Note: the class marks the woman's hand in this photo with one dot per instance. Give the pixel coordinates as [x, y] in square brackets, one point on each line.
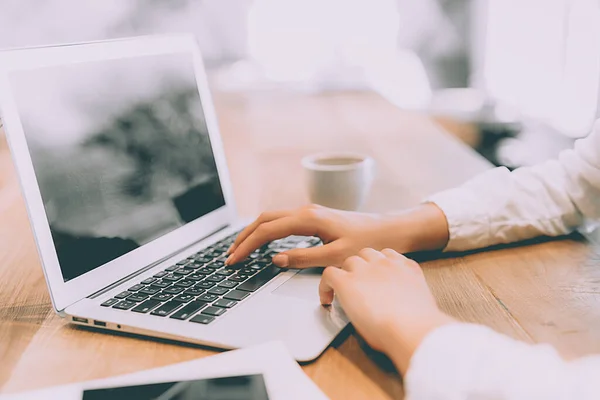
[343, 233]
[387, 299]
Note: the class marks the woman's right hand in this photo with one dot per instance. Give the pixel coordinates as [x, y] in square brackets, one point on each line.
[343, 233]
[386, 297]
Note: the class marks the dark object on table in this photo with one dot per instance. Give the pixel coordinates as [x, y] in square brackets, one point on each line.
[248, 387]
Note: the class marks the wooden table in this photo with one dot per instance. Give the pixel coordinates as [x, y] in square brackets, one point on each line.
[545, 292]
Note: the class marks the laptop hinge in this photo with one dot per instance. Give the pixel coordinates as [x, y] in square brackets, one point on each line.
[154, 264]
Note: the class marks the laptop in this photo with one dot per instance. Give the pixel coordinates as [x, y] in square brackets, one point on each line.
[123, 172]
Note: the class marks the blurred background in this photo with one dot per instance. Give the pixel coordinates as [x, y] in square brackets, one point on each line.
[518, 80]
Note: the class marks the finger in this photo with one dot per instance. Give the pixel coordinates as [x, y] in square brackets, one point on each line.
[329, 254]
[269, 231]
[401, 259]
[330, 282]
[262, 218]
[353, 263]
[370, 255]
[393, 254]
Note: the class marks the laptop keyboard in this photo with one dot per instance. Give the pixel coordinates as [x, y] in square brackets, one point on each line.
[201, 288]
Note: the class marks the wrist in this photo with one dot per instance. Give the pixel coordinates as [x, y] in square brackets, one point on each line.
[421, 228]
[404, 339]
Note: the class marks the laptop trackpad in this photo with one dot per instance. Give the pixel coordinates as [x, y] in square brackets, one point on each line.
[304, 285]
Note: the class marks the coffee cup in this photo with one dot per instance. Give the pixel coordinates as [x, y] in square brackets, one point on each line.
[339, 180]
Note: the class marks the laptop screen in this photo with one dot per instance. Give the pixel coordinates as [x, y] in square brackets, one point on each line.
[121, 152]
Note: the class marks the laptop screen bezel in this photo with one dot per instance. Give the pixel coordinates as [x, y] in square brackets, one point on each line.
[64, 293]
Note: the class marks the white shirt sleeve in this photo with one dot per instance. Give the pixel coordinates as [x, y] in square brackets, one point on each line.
[550, 199]
[465, 361]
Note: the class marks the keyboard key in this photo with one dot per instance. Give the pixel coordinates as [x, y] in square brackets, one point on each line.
[204, 259]
[205, 271]
[214, 311]
[183, 298]
[204, 285]
[182, 262]
[135, 288]
[194, 291]
[124, 305]
[161, 274]
[247, 271]
[208, 297]
[194, 265]
[225, 271]
[189, 310]
[137, 297]
[202, 319]
[173, 290]
[259, 280]
[172, 268]
[228, 284]
[218, 291]
[236, 295]
[122, 295]
[238, 278]
[183, 271]
[222, 257]
[109, 302]
[217, 264]
[172, 278]
[225, 303]
[185, 283]
[167, 308]
[148, 281]
[149, 290]
[195, 277]
[161, 284]
[162, 297]
[215, 278]
[238, 266]
[146, 306]
[313, 241]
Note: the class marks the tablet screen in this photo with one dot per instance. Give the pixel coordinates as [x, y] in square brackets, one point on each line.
[248, 387]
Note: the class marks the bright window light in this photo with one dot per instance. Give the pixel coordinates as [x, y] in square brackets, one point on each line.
[543, 57]
[313, 40]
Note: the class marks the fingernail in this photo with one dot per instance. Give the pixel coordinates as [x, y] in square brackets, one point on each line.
[228, 260]
[281, 260]
[230, 249]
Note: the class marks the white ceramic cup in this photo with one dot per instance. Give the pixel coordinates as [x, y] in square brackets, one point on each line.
[339, 180]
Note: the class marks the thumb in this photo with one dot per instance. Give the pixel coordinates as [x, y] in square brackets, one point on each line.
[329, 254]
[330, 282]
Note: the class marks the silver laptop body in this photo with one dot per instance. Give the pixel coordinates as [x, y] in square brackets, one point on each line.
[123, 172]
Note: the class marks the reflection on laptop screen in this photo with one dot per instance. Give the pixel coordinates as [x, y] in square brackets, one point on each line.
[121, 153]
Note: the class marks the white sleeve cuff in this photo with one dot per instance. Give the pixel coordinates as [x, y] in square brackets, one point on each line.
[467, 228]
